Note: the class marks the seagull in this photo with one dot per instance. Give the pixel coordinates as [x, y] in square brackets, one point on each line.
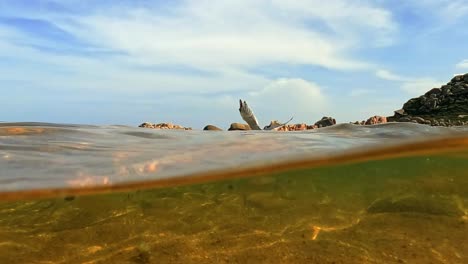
[249, 117]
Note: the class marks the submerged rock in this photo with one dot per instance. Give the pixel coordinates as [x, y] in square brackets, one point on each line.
[416, 204]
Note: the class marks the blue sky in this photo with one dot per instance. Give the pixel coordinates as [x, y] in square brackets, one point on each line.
[188, 62]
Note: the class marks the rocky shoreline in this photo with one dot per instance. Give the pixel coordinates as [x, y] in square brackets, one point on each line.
[444, 106]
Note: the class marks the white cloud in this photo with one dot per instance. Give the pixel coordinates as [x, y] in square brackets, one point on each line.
[447, 10]
[420, 86]
[360, 92]
[223, 38]
[279, 99]
[230, 40]
[347, 18]
[411, 85]
[430, 21]
[295, 87]
[225, 34]
[339, 13]
[387, 75]
[226, 38]
[115, 74]
[286, 97]
[462, 64]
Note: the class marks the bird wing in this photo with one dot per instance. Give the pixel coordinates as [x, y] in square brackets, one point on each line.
[248, 115]
[274, 127]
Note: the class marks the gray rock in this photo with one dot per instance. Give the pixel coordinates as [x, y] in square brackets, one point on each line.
[325, 121]
[400, 112]
[458, 89]
[405, 119]
[435, 91]
[437, 104]
[412, 105]
[457, 78]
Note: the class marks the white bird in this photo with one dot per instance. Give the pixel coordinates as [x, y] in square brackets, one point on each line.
[249, 117]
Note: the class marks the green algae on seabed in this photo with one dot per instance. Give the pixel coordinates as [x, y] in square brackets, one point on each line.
[396, 210]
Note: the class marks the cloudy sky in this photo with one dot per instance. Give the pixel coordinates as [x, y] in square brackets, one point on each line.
[189, 62]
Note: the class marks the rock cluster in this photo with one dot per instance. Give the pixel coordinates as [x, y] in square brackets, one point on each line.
[296, 127]
[324, 122]
[293, 127]
[444, 106]
[163, 126]
[373, 120]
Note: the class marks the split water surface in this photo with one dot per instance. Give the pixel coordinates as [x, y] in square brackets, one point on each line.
[395, 193]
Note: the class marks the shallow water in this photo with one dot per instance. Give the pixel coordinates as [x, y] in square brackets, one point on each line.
[395, 193]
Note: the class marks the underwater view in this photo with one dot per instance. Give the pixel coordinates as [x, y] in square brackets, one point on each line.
[391, 193]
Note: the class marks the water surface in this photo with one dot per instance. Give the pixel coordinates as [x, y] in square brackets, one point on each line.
[395, 193]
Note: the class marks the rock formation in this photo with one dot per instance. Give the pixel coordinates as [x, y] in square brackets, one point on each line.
[296, 127]
[444, 106]
[325, 121]
[212, 128]
[376, 120]
[164, 126]
[238, 126]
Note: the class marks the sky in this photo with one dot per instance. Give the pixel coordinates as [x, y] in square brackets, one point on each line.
[189, 62]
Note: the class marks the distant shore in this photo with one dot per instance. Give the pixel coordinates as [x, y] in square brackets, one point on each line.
[443, 106]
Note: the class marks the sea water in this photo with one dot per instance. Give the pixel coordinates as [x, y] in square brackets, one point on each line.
[393, 193]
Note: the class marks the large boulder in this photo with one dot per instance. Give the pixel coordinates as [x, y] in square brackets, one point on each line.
[325, 121]
[238, 126]
[212, 128]
[147, 125]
